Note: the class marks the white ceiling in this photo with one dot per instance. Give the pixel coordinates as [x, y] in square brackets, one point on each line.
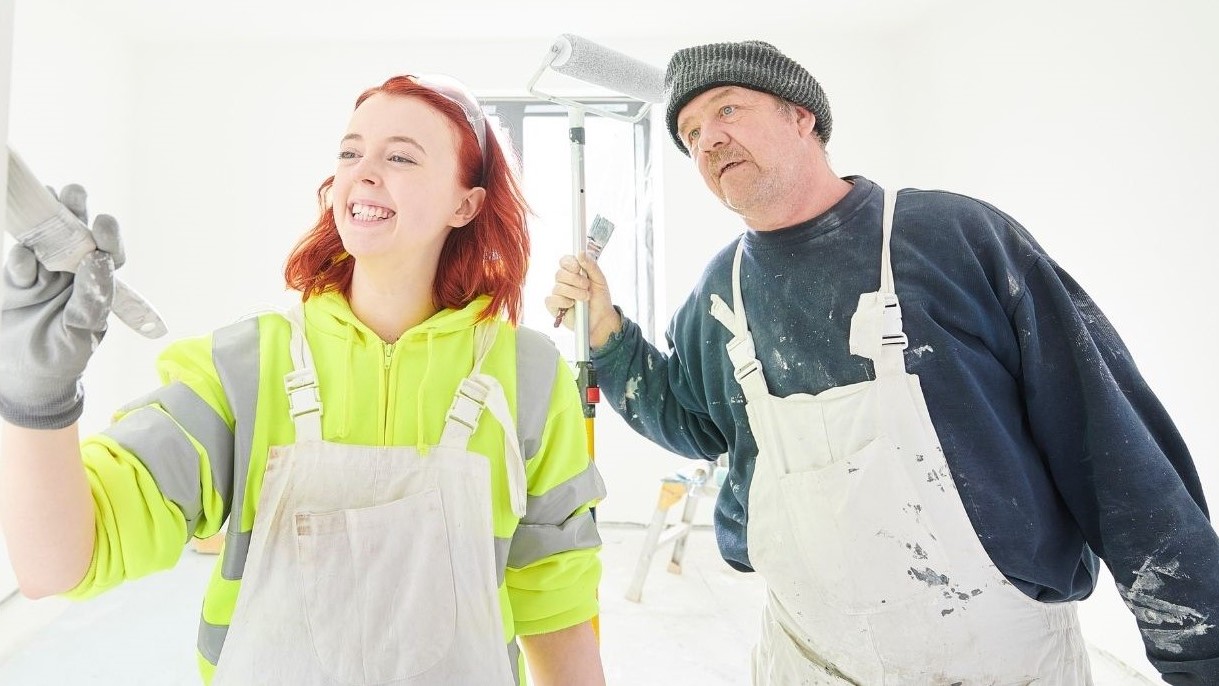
[430, 20]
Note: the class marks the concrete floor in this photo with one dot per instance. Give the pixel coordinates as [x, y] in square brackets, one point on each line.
[696, 628]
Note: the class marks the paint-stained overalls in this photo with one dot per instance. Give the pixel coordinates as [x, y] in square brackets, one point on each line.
[875, 574]
[391, 552]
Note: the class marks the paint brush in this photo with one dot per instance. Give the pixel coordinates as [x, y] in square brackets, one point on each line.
[59, 240]
[598, 235]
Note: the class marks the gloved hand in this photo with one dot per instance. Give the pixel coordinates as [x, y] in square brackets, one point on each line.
[50, 324]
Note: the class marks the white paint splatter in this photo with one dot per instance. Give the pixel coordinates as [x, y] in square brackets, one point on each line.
[1151, 610]
[1013, 285]
[632, 387]
[922, 349]
[780, 361]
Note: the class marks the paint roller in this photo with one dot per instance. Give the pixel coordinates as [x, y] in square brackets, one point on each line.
[590, 62]
[585, 60]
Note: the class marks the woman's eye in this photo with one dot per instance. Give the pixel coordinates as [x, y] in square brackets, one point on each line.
[347, 155]
[401, 159]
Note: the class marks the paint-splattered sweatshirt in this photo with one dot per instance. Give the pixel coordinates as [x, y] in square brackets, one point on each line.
[1060, 451]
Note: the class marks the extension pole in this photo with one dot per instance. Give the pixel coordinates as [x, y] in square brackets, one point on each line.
[586, 375]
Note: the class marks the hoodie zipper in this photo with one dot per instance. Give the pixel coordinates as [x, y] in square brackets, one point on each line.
[388, 349]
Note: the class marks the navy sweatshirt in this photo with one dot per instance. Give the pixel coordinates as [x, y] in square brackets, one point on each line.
[1060, 451]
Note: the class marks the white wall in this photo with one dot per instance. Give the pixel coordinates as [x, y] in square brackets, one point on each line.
[8, 582]
[1090, 122]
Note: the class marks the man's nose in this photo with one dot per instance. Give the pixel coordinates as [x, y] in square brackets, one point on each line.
[711, 137]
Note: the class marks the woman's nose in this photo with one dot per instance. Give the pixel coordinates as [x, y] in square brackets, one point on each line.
[367, 171]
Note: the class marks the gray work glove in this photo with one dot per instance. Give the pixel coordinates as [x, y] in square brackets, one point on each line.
[50, 323]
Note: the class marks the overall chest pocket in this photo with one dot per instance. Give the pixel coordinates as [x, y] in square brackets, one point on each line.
[377, 586]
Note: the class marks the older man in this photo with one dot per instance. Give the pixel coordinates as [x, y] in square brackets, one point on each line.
[935, 435]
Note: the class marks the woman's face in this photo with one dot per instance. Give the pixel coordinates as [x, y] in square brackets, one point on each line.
[396, 192]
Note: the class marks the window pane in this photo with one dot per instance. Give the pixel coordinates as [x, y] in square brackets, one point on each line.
[610, 190]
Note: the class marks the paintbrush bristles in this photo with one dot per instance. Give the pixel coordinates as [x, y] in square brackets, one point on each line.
[29, 202]
[41, 223]
[598, 235]
[59, 239]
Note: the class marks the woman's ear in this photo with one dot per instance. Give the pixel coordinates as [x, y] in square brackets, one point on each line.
[471, 204]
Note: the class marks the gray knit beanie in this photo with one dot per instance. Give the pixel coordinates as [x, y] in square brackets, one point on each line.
[753, 64]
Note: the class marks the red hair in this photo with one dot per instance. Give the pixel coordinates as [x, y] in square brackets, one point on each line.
[488, 256]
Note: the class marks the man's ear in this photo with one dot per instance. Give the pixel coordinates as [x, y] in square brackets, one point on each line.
[471, 204]
[805, 121]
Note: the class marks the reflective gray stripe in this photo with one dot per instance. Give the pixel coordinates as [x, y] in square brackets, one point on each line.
[236, 548]
[235, 352]
[514, 661]
[557, 504]
[502, 546]
[211, 640]
[202, 423]
[537, 361]
[170, 457]
[533, 542]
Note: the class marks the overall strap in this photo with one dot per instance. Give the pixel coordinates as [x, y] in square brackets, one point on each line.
[479, 390]
[893, 340]
[741, 351]
[304, 399]
[876, 326]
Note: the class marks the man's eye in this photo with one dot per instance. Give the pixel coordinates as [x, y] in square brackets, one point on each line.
[727, 110]
[692, 136]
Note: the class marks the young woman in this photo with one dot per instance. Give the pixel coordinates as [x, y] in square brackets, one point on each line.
[402, 470]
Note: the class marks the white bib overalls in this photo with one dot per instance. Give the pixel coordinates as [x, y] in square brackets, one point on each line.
[875, 574]
[374, 565]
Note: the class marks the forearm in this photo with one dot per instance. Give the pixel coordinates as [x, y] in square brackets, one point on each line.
[568, 657]
[647, 389]
[46, 508]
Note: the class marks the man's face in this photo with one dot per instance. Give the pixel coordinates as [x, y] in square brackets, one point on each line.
[747, 145]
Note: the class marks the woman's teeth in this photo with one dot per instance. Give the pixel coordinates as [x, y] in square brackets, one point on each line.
[369, 212]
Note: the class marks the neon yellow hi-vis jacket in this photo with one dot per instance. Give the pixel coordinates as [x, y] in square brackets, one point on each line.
[189, 456]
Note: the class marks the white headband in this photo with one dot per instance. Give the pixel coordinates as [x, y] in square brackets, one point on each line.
[456, 91]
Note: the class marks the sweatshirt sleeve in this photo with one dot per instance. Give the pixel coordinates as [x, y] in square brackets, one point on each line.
[553, 560]
[1123, 470]
[159, 473]
[655, 395]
